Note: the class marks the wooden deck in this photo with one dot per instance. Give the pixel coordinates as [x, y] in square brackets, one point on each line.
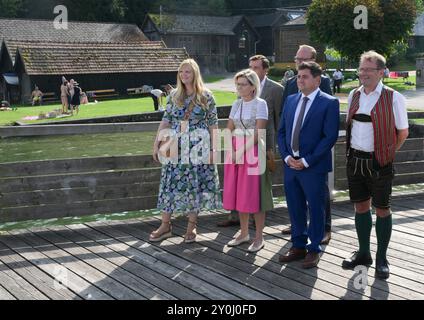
[112, 260]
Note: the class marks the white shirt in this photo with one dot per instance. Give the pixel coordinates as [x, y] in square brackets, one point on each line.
[157, 93]
[311, 100]
[262, 85]
[363, 133]
[338, 75]
[261, 109]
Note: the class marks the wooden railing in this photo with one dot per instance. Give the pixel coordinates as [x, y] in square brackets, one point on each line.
[80, 187]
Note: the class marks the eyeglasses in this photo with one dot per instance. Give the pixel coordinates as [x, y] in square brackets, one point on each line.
[297, 59]
[367, 70]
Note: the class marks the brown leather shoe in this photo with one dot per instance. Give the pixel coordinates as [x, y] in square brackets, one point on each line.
[286, 231]
[311, 260]
[228, 223]
[327, 238]
[294, 254]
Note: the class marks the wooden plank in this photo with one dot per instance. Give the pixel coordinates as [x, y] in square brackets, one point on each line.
[174, 280]
[5, 295]
[76, 129]
[95, 277]
[195, 268]
[265, 265]
[327, 271]
[403, 286]
[84, 180]
[411, 144]
[69, 196]
[400, 168]
[399, 180]
[18, 286]
[234, 269]
[75, 283]
[41, 168]
[400, 267]
[76, 209]
[401, 156]
[40, 280]
[66, 240]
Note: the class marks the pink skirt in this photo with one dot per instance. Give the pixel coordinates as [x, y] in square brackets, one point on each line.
[242, 181]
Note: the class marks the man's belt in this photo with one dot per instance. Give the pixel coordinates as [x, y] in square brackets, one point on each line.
[361, 154]
[362, 118]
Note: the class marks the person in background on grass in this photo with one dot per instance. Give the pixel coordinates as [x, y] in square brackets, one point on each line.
[64, 93]
[37, 96]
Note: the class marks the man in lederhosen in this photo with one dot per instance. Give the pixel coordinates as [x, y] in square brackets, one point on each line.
[377, 127]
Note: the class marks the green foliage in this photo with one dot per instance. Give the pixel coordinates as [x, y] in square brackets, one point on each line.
[389, 22]
[10, 8]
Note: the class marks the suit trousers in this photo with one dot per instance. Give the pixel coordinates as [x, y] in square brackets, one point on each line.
[305, 194]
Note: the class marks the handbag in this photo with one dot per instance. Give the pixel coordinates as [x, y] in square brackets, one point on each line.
[167, 144]
[270, 161]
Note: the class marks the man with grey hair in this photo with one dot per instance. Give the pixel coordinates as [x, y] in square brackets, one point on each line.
[377, 127]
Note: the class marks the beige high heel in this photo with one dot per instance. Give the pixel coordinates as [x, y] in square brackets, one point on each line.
[191, 237]
[157, 237]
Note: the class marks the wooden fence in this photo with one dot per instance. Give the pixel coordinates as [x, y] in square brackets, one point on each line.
[80, 187]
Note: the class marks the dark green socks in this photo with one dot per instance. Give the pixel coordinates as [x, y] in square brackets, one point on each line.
[383, 228]
[363, 223]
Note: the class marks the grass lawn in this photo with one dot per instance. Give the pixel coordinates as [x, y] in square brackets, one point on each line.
[102, 109]
[418, 121]
[396, 84]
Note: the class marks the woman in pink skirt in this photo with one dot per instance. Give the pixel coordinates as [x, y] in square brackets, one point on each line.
[242, 169]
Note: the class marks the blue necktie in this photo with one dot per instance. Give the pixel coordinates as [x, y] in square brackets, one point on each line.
[298, 126]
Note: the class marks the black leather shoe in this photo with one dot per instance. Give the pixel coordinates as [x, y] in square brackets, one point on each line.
[357, 260]
[382, 270]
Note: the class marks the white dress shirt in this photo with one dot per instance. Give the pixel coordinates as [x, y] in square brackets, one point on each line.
[363, 133]
[311, 100]
[262, 85]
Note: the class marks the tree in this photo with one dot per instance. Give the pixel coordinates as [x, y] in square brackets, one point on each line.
[389, 22]
[10, 8]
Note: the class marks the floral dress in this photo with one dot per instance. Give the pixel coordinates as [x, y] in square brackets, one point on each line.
[186, 187]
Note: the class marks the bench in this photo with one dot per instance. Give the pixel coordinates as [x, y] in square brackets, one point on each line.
[138, 92]
[101, 94]
[49, 97]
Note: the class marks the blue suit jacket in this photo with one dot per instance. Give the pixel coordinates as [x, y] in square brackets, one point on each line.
[319, 132]
[291, 88]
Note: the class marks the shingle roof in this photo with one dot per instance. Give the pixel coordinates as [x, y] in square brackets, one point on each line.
[419, 26]
[268, 20]
[178, 24]
[58, 59]
[43, 30]
[13, 45]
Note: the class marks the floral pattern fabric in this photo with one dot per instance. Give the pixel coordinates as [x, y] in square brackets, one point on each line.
[188, 187]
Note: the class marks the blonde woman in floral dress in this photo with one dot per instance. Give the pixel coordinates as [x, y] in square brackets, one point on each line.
[188, 186]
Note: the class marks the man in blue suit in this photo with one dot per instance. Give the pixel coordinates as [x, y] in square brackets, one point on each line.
[308, 131]
[306, 54]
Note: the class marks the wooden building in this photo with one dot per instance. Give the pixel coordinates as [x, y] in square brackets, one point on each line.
[218, 44]
[269, 28]
[97, 55]
[293, 34]
[96, 66]
[416, 41]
